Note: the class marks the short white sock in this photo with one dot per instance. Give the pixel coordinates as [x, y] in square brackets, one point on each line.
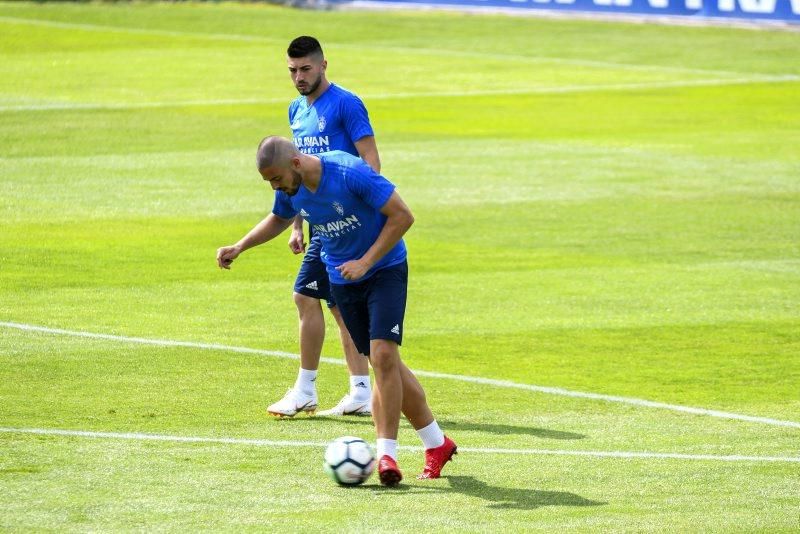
[387, 447]
[431, 436]
[305, 381]
[360, 388]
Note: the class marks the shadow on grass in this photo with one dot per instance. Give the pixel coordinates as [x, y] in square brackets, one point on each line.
[452, 427]
[357, 420]
[515, 498]
[497, 497]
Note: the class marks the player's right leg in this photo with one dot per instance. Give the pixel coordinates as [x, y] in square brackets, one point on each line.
[358, 401]
[310, 285]
[385, 359]
[353, 304]
[312, 330]
[302, 397]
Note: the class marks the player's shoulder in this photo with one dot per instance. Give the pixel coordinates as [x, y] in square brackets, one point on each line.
[339, 158]
[342, 94]
[345, 163]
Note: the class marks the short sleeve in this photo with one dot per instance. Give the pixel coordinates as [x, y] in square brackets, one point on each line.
[282, 207]
[355, 117]
[368, 185]
[292, 110]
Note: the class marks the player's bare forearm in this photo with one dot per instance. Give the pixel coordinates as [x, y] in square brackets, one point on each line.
[268, 228]
[393, 231]
[297, 223]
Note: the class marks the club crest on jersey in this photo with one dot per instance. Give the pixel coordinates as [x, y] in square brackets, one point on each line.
[321, 124]
[338, 207]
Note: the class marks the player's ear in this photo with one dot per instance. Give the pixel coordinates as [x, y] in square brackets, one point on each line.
[324, 64]
[295, 162]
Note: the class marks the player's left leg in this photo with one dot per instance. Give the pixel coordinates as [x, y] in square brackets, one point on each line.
[386, 304]
[439, 449]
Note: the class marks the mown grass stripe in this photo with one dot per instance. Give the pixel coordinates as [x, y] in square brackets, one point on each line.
[69, 106]
[373, 46]
[429, 374]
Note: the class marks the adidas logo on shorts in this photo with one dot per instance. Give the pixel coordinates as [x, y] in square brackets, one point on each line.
[312, 285]
[396, 329]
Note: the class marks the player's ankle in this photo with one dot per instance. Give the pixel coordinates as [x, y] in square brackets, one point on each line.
[387, 447]
[360, 388]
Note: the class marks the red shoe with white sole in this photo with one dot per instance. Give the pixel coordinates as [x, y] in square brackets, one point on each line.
[388, 471]
[436, 458]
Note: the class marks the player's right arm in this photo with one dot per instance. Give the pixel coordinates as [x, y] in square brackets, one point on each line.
[368, 151]
[270, 227]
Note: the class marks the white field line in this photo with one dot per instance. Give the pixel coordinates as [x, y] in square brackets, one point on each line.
[489, 450]
[160, 342]
[371, 46]
[430, 374]
[449, 94]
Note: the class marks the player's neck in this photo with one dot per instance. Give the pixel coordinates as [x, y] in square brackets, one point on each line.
[323, 86]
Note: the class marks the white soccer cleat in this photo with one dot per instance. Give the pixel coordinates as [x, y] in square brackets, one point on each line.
[294, 402]
[349, 406]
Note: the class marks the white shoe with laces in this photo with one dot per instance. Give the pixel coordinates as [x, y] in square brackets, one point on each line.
[294, 402]
[349, 406]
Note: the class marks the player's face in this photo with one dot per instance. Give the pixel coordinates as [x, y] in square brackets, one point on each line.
[307, 73]
[280, 179]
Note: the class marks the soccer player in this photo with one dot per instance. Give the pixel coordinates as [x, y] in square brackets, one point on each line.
[324, 117]
[360, 220]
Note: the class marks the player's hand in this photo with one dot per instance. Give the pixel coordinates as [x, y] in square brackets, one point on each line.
[296, 242]
[226, 255]
[353, 269]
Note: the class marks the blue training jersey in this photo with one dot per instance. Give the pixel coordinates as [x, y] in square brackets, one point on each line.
[344, 212]
[335, 121]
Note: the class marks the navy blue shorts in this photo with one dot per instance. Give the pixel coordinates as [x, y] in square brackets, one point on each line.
[374, 308]
[312, 279]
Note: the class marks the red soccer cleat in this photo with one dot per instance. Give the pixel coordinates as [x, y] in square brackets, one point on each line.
[437, 457]
[388, 471]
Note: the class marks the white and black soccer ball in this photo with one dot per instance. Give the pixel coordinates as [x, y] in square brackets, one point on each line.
[349, 460]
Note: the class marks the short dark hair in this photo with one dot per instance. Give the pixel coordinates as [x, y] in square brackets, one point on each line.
[303, 46]
[275, 151]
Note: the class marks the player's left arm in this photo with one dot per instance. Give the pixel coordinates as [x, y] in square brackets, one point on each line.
[398, 220]
[368, 151]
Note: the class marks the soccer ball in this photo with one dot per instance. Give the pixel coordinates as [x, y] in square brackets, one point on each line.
[349, 461]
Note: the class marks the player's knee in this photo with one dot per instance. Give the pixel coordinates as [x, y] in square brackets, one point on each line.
[384, 355]
[306, 304]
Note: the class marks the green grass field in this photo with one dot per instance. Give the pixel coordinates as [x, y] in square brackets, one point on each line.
[602, 208]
